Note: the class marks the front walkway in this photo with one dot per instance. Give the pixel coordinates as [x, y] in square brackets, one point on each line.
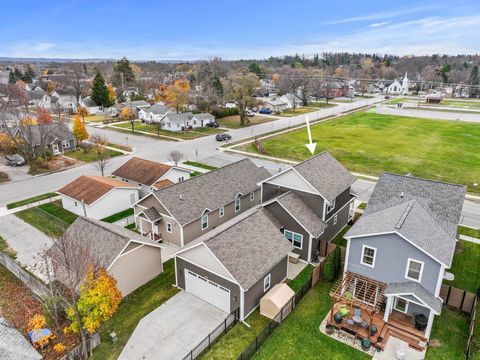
[172, 330]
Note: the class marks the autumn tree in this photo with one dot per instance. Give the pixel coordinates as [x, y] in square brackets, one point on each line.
[43, 116]
[79, 130]
[111, 93]
[127, 114]
[82, 111]
[103, 159]
[240, 87]
[176, 94]
[100, 93]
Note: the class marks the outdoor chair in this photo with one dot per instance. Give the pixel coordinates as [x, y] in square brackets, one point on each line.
[364, 324]
[350, 322]
[357, 312]
[343, 310]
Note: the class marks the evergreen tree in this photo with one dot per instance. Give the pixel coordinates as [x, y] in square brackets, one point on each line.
[123, 74]
[474, 81]
[254, 68]
[217, 84]
[30, 72]
[100, 93]
[17, 75]
[12, 79]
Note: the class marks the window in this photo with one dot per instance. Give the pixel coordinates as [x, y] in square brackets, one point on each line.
[401, 305]
[266, 282]
[169, 227]
[204, 222]
[368, 256]
[237, 204]
[414, 270]
[65, 144]
[330, 206]
[294, 238]
[335, 220]
[252, 196]
[180, 179]
[221, 211]
[76, 203]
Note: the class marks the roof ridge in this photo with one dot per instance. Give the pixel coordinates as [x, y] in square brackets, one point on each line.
[312, 157]
[404, 214]
[431, 216]
[423, 179]
[100, 224]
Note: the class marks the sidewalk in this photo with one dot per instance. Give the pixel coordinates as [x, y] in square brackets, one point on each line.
[469, 239]
[4, 211]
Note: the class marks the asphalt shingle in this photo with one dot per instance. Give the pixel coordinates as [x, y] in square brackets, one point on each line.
[411, 287]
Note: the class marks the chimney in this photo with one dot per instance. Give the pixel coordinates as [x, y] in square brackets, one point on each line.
[401, 195]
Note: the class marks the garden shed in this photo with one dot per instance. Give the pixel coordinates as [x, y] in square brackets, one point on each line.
[273, 301]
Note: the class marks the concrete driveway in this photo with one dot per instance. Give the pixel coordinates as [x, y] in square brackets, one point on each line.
[172, 330]
[27, 241]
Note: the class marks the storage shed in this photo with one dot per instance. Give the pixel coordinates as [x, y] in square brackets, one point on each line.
[273, 301]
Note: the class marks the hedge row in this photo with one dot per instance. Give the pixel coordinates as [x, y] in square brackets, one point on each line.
[223, 112]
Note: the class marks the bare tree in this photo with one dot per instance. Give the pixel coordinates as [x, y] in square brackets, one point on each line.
[102, 162]
[175, 156]
[77, 80]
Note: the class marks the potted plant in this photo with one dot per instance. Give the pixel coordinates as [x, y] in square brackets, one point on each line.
[337, 317]
[366, 344]
[373, 330]
[329, 329]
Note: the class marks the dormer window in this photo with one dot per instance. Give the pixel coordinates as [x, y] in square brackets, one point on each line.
[204, 221]
[237, 204]
[330, 206]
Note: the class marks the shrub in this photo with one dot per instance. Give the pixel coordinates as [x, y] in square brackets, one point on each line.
[223, 112]
[337, 259]
[328, 272]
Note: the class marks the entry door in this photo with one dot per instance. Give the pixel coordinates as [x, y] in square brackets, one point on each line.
[207, 290]
[55, 149]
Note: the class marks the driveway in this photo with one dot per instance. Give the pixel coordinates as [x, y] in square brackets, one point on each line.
[27, 241]
[172, 330]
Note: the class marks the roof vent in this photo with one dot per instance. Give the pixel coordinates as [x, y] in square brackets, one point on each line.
[401, 195]
[180, 197]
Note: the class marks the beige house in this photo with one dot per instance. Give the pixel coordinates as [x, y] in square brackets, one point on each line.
[128, 257]
[182, 212]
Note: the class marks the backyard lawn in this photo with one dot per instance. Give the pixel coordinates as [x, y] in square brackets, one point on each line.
[321, 105]
[299, 337]
[132, 309]
[466, 267]
[90, 154]
[155, 131]
[339, 240]
[372, 143]
[200, 165]
[471, 105]
[449, 336]
[233, 121]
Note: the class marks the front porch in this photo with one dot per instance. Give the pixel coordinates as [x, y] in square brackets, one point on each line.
[361, 309]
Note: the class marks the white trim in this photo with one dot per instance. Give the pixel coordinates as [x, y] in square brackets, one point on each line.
[201, 222]
[294, 218]
[176, 277]
[347, 254]
[182, 241]
[207, 210]
[374, 255]
[206, 269]
[420, 301]
[176, 253]
[336, 212]
[239, 199]
[221, 211]
[224, 268]
[422, 264]
[329, 205]
[309, 255]
[396, 303]
[440, 280]
[268, 181]
[403, 237]
[266, 279]
[242, 304]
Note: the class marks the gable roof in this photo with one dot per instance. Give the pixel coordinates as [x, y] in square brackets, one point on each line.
[426, 212]
[88, 102]
[417, 290]
[328, 176]
[204, 116]
[91, 188]
[180, 117]
[302, 213]
[158, 109]
[142, 171]
[250, 248]
[49, 133]
[13, 346]
[187, 200]
[162, 183]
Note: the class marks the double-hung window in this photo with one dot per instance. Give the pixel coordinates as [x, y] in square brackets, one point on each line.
[204, 222]
[266, 282]
[221, 211]
[414, 270]
[330, 206]
[237, 204]
[294, 238]
[368, 256]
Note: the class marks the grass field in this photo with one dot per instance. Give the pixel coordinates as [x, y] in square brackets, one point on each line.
[372, 143]
[154, 130]
[321, 104]
[299, 111]
[118, 216]
[132, 309]
[472, 105]
[90, 154]
[200, 165]
[233, 122]
[466, 267]
[6, 249]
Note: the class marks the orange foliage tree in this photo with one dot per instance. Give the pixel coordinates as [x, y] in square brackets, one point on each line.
[111, 93]
[43, 116]
[79, 130]
[82, 111]
[176, 94]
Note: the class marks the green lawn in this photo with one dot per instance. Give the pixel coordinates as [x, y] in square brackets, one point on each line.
[469, 231]
[362, 206]
[49, 218]
[233, 121]
[475, 105]
[466, 267]
[154, 130]
[372, 143]
[90, 154]
[299, 337]
[321, 105]
[301, 279]
[132, 309]
[298, 111]
[449, 336]
[118, 216]
[200, 165]
[30, 200]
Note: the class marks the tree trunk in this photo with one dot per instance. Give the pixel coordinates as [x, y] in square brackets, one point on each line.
[84, 353]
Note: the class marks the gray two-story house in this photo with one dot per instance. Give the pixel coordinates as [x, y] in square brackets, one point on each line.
[312, 201]
[399, 250]
[182, 212]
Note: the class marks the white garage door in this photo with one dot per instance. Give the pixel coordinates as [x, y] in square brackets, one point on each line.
[207, 290]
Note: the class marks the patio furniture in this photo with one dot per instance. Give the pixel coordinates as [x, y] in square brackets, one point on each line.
[350, 322]
[421, 322]
[373, 330]
[364, 324]
[357, 317]
[366, 344]
[343, 310]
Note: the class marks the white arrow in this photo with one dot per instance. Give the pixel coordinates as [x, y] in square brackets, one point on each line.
[311, 146]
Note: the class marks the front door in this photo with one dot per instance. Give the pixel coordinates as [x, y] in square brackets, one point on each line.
[55, 149]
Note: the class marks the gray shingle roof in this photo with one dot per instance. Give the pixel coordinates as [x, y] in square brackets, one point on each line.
[426, 212]
[411, 287]
[329, 177]
[180, 118]
[211, 190]
[250, 248]
[158, 109]
[204, 116]
[152, 214]
[49, 132]
[303, 213]
[13, 346]
[88, 101]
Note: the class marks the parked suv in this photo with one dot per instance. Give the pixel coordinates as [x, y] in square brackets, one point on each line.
[212, 124]
[265, 111]
[223, 137]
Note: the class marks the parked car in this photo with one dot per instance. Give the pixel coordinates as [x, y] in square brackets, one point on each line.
[223, 137]
[250, 113]
[213, 124]
[15, 160]
[387, 97]
[265, 111]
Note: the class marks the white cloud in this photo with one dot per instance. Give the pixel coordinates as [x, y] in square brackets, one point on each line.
[379, 24]
[43, 46]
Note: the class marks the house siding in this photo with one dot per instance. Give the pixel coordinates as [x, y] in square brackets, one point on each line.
[314, 202]
[194, 230]
[332, 230]
[290, 224]
[180, 276]
[255, 292]
[391, 260]
[340, 200]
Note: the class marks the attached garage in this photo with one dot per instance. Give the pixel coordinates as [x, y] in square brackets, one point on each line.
[207, 290]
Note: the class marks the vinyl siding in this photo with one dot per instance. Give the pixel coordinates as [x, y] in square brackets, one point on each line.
[332, 230]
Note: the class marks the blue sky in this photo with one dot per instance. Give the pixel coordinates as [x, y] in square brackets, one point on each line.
[202, 29]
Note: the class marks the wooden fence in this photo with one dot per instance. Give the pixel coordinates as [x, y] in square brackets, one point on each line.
[92, 342]
[458, 299]
[473, 320]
